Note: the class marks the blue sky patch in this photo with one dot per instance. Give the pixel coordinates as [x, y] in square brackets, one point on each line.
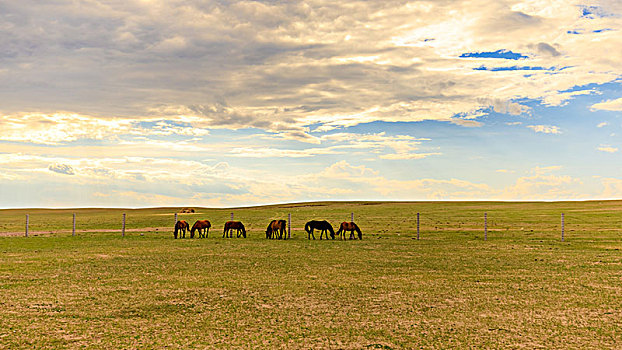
[502, 69]
[504, 54]
[594, 12]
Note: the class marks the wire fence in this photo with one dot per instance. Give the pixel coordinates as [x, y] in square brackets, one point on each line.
[421, 223]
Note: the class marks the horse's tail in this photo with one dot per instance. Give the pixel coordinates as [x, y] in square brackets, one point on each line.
[358, 230]
[308, 227]
[340, 229]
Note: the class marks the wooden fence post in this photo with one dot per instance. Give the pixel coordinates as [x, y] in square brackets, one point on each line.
[289, 225]
[123, 229]
[175, 218]
[417, 226]
[27, 222]
[231, 216]
[562, 227]
[485, 226]
[73, 232]
[352, 217]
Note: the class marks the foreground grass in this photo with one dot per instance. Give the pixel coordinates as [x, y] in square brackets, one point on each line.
[521, 288]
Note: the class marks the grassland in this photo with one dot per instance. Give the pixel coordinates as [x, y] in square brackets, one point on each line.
[522, 288]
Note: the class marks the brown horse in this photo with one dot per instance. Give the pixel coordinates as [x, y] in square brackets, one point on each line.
[202, 226]
[233, 225]
[349, 226]
[276, 229]
[181, 227]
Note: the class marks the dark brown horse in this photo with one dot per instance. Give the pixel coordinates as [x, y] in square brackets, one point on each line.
[202, 226]
[323, 226]
[234, 225]
[276, 229]
[349, 226]
[181, 227]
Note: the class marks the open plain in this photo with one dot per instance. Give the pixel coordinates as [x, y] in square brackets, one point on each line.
[521, 288]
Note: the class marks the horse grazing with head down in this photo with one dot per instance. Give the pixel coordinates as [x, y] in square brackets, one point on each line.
[234, 225]
[181, 227]
[349, 226]
[202, 226]
[323, 226]
[276, 229]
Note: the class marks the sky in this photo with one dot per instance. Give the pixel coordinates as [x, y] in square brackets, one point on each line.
[141, 103]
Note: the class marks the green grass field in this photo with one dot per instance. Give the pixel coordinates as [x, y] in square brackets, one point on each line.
[522, 288]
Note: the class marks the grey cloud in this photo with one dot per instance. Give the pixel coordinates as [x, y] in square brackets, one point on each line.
[61, 169]
[274, 62]
[546, 49]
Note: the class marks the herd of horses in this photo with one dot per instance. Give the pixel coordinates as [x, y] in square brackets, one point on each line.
[276, 229]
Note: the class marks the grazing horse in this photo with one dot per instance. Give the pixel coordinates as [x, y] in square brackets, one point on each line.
[276, 227]
[349, 226]
[323, 225]
[234, 225]
[181, 227]
[202, 226]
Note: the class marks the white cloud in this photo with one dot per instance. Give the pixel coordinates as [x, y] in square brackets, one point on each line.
[543, 187]
[609, 105]
[546, 129]
[397, 147]
[60, 128]
[603, 124]
[608, 149]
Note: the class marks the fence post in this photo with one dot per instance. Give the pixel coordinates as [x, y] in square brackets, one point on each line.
[352, 217]
[289, 225]
[123, 229]
[231, 216]
[175, 218]
[27, 221]
[417, 226]
[562, 227]
[73, 232]
[485, 226]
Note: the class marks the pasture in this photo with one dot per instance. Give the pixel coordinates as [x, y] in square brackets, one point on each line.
[522, 288]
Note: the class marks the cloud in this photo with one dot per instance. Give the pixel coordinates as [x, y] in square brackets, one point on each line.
[562, 98]
[62, 128]
[609, 105]
[62, 169]
[546, 129]
[545, 49]
[286, 66]
[601, 125]
[543, 186]
[608, 149]
[397, 147]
